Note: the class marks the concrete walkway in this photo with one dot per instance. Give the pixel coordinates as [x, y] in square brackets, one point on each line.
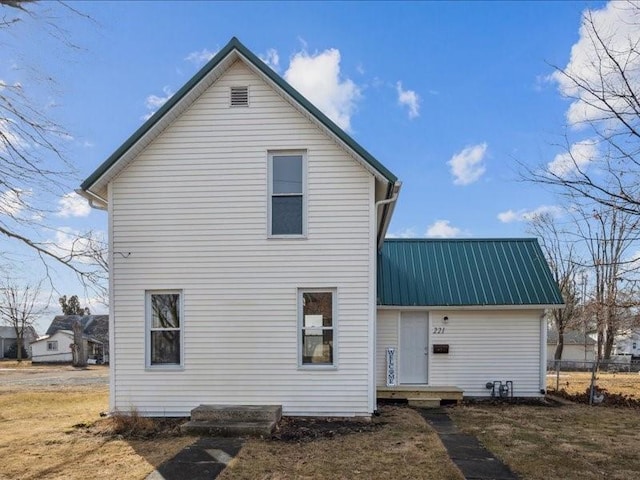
[204, 460]
[475, 461]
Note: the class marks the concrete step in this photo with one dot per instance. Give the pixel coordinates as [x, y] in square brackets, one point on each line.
[236, 413]
[424, 402]
[228, 428]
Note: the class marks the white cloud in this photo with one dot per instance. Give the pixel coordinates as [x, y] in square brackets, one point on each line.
[10, 140]
[406, 233]
[467, 166]
[525, 215]
[200, 57]
[73, 205]
[588, 62]
[578, 157]
[153, 102]
[442, 229]
[409, 99]
[12, 202]
[271, 58]
[317, 77]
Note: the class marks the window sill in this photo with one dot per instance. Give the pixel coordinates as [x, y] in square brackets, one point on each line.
[287, 237]
[311, 368]
[164, 368]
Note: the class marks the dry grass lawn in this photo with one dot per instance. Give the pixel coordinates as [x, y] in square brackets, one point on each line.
[405, 447]
[39, 440]
[577, 382]
[569, 442]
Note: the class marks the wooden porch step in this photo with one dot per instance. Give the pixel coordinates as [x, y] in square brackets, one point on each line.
[416, 392]
[424, 402]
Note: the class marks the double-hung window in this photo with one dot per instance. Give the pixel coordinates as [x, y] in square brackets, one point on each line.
[164, 328]
[287, 216]
[317, 327]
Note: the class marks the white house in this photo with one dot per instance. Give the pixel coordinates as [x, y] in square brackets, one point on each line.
[628, 343]
[56, 348]
[8, 340]
[249, 265]
[577, 347]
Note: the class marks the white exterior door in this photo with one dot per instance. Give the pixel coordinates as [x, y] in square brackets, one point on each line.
[413, 348]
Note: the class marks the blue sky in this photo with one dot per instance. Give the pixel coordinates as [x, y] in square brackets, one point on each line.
[449, 96]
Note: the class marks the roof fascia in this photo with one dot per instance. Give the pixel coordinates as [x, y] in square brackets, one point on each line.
[470, 307]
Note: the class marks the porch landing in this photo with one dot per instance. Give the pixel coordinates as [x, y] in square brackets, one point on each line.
[421, 395]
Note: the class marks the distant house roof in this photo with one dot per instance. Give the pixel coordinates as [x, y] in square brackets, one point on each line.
[465, 272]
[570, 338]
[68, 333]
[10, 332]
[93, 326]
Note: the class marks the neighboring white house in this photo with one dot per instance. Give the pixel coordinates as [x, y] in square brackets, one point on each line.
[577, 347]
[8, 340]
[628, 344]
[56, 348]
[246, 242]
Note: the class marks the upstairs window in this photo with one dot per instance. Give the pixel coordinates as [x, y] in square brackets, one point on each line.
[287, 194]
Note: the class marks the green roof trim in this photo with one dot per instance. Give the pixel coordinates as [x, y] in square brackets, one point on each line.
[465, 272]
[234, 44]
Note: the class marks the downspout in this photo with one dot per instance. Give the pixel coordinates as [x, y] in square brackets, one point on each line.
[374, 282]
[543, 353]
[396, 190]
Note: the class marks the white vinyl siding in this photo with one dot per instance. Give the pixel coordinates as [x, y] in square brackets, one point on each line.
[483, 346]
[189, 213]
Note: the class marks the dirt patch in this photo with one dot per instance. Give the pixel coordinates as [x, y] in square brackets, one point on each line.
[292, 429]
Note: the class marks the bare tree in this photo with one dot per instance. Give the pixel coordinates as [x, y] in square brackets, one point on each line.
[602, 80]
[19, 308]
[34, 171]
[562, 256]
[611, 236]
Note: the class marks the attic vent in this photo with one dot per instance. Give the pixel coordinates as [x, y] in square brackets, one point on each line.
[239, 96]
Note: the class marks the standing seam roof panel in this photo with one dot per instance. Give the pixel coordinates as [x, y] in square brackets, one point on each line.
[464, 272]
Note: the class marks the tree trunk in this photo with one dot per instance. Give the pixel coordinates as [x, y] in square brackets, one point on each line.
[80, 358]
[19, 347]
[608, 343]
[559, 346]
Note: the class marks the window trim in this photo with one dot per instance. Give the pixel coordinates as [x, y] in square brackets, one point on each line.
[276, 153]
[52, 343]
[147, 331]
[334, 326]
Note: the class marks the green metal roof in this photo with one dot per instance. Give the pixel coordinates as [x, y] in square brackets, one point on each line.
[464, 272]
[234, 44]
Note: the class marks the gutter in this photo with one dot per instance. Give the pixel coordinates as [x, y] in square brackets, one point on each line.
[95, 201]
[388, 206]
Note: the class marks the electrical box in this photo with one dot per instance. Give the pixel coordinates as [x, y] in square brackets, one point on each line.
[440, 348]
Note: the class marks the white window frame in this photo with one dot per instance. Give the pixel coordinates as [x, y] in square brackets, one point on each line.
[52, 345]
[276, 153]
[334, 327]
[148, 329]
